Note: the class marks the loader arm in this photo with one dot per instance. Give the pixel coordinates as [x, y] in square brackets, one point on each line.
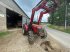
[48, 7]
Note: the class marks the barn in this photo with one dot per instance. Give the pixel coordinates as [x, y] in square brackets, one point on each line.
[11, 15]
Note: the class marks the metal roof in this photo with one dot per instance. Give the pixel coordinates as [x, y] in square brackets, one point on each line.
[21, 9]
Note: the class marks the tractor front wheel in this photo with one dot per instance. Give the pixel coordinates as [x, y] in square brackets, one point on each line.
[31, 37]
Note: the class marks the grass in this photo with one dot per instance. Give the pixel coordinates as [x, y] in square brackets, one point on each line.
[61, 28]
[2, 34]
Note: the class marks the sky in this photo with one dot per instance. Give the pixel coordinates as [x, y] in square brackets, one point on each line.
[28, 5]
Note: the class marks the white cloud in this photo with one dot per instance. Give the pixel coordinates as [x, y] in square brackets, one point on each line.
[45, 17]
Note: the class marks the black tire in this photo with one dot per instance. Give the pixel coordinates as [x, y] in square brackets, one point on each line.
[31, 37]
[44, 34]
[43, 37]
[25, 32]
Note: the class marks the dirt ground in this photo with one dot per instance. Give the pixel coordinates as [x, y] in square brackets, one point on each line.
[16, 42]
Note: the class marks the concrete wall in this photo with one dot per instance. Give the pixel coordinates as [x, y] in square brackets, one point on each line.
[10, 4]
[2, 18]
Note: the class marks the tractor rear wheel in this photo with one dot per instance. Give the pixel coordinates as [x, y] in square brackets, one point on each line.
[25, 32]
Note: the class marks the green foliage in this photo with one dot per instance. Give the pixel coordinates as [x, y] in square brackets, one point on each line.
[2, 34]
[58, 17]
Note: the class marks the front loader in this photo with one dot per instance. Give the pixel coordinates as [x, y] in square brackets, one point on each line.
[34, 30]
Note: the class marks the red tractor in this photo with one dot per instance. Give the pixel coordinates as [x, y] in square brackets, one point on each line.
[35, 29]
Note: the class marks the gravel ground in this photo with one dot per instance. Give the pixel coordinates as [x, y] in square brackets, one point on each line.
[16, 42]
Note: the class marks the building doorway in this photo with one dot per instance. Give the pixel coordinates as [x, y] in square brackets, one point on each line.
[14, 20]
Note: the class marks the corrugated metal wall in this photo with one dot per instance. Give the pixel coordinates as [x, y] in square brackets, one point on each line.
[11, 5]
